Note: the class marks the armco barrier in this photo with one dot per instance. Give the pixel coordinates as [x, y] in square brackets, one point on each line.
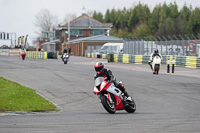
[191, 62]
[115, 57]
[111, 58]
[182, 61]
[126, 58]
[4, 52]
[36, 55]
[120, 58]
[145, 59]
[10, 52]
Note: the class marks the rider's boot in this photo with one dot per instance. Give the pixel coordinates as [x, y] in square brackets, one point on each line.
[128, 96]
[125, 92]
[149, 62]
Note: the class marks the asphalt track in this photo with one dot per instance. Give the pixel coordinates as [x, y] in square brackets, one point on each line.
[166, 103]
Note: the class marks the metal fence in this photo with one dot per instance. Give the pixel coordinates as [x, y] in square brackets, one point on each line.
[165, 45]
[91, 49]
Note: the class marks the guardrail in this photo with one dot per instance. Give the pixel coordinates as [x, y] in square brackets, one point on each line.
[36, 55]
[42, 55]
[182, 61]
[10, 52]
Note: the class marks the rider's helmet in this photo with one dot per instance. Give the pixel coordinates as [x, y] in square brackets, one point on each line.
[65, 50]
[99, 67]
[156, 51]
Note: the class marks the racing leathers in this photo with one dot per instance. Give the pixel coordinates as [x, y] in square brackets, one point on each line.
[151, 58]
[107, 73]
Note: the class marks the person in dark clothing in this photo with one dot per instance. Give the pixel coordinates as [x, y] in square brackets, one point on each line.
[64, 51]
[103, 72]
[69, 50]
[155, 53]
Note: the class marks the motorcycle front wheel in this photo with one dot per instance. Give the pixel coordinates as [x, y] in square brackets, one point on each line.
[131, 107]
[109, 107]
[156, 68]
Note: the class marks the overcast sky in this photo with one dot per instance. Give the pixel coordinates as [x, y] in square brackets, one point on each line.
[18, 16]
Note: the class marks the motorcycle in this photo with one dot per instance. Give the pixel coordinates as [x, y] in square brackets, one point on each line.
[23, 55]
[65, 58]
[156, 64]
[111, 97]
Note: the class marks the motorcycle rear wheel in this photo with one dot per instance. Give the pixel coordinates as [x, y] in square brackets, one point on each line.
[109, 107]
[23, 57]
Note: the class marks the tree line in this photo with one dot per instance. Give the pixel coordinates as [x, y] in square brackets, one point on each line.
[164, 19]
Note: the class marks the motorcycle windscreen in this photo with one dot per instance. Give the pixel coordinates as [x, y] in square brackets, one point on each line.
[98, 81]
[97, 84]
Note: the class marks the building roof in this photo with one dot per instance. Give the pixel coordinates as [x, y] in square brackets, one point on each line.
[51, 42]
[98, 38]
[86, 21]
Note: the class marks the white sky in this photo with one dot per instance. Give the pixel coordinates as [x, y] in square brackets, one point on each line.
[18, 16]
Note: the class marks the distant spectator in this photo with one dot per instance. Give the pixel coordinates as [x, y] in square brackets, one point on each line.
[69, 50]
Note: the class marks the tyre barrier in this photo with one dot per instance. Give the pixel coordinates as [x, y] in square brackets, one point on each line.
[182, 61]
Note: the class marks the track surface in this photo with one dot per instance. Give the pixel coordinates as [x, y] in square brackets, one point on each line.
[166, 103]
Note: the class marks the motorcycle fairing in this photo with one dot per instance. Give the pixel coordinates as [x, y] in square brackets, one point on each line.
[104, 85]
[156, 60]
[95, 90]
[114, 90]
[109, 97]
[117, 93]
[119, 103]
[22, 54]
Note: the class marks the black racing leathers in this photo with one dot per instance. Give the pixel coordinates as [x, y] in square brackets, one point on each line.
[107, 73]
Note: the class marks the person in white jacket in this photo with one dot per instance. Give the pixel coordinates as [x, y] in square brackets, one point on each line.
[155, 52]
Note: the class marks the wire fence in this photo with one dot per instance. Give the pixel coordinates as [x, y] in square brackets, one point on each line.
[166, 46]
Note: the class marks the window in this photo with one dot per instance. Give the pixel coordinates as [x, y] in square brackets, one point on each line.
[97, 32]
[80, 32]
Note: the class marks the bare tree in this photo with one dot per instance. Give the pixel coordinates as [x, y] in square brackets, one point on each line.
[90, 13]
[68, 17]
[45, 20]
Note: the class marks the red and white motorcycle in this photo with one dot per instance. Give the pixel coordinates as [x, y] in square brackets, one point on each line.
[23, 54]
[111, 97]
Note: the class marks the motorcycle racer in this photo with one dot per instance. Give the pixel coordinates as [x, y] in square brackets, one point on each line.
[103, 72]
[64, 52]
[155, 53]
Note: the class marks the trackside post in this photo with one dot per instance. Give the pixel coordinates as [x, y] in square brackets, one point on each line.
[168, 64]
[173, 62]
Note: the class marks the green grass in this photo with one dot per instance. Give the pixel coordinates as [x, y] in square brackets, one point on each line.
[14, 97]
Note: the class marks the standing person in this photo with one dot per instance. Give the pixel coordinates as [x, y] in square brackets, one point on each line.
[103, 72]
[155, 52]
[69, 51]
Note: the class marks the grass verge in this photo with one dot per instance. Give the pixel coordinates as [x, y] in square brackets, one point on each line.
[14, 97]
